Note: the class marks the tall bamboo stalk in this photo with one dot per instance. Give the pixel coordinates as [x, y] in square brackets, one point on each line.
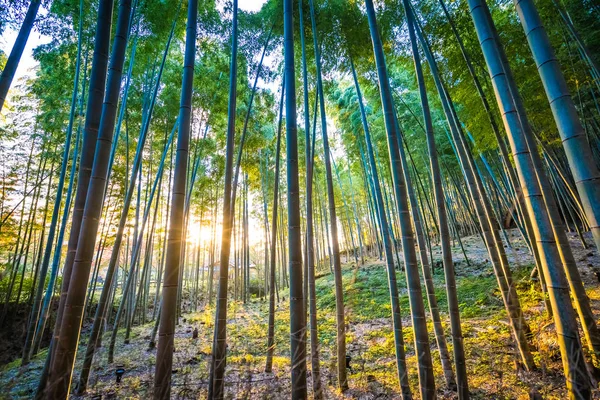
[219, 358]
[532, 181]
[573, 136]
[309, 261]
[10, 68]
[61, 363]
[274, 220]
[389, 254]
[297, 311]
[164, 354]
[442, 217]
[426, 378]
[335, 247]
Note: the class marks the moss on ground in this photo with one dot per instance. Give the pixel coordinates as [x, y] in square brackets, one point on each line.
[493, 372]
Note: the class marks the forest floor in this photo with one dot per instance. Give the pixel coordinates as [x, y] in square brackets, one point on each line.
[490, 353]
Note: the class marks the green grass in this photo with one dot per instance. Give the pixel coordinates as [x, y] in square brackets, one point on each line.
[369, 339]
[368, 297]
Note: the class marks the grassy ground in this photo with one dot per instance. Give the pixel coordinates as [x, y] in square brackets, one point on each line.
[493, 373]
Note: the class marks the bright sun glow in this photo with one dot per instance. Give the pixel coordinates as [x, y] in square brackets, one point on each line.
[201, 234]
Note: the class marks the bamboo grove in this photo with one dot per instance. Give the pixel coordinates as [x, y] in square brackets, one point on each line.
[170, 159]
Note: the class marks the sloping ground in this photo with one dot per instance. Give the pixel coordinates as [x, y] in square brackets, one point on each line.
[14, 330]
[493, 372]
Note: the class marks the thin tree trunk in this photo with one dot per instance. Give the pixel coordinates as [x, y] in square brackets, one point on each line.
[10, 68]
[99, 318]
[443, 226]
[574, 139]
[534, 183]
[271, 325]
[297, 311]
[488, 226]
[421, 336]
[58, 375]
[130, 189]
[309, 261]
[164, 355]
[29, 341]
[219, 358]
[337, 267]
[389, 254]
[66, 346]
